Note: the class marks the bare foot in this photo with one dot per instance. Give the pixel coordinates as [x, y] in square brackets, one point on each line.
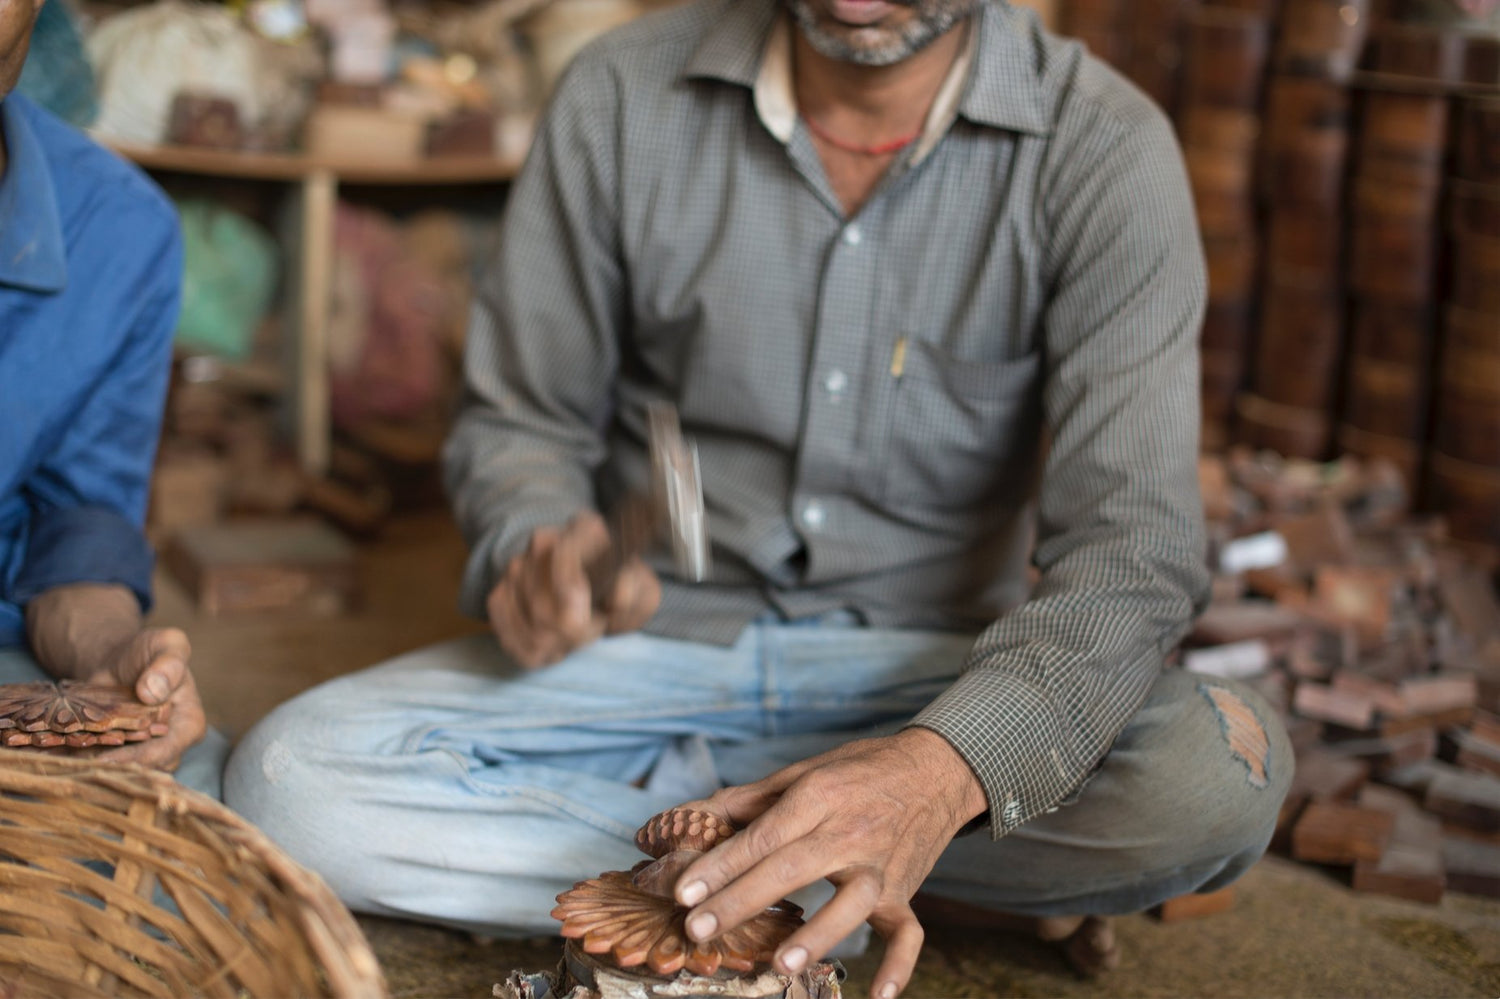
[1087, 942]
[1092, 949]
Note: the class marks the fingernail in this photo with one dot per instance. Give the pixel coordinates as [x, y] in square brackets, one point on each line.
[888, 991]
[692, 893]
[702, 926]
[794, 959]
[157, 687]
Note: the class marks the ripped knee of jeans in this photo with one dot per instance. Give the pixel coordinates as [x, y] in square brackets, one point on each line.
[1242, 730]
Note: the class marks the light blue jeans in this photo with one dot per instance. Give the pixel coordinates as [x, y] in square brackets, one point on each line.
[450, 786]
[202, 766]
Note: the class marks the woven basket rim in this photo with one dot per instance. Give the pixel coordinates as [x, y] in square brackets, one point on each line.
[334, 939]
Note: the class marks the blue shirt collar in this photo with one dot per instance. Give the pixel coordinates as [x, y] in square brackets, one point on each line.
[32, 253]
[1003, 90]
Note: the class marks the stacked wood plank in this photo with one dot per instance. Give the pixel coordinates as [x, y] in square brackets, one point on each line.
[1464, 474]
[1140, 38]
[1158, 45]
[1102, 25]
[1219, 124]
[1306, 146]
[1379, 643]
[1394, 241]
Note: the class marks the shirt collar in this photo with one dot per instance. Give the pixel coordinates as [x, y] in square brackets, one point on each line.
[32, 253]
[751, 46]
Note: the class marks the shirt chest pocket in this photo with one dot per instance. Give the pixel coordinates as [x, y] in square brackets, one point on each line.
[956, 432]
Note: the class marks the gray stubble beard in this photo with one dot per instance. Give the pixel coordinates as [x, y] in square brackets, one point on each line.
[934, 19]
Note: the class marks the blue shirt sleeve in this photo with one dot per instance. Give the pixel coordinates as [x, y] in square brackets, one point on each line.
[89, 496]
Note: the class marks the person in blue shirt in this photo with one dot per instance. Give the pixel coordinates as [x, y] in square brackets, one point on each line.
[90, 280]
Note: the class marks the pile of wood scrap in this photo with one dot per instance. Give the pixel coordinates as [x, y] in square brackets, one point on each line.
[242, 526]
[1378, 640]
[221, 456]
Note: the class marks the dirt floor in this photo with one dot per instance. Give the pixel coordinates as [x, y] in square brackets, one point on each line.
[1294, 931]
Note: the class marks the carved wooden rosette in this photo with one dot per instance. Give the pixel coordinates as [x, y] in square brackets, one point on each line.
[632, 919]
[72, 715]
[682, 829]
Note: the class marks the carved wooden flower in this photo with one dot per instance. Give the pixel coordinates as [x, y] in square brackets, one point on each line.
[632, 918]
[682, 829]
[75, 716]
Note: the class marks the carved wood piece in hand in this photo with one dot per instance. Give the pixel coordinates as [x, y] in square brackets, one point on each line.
[73, 715]
[632, 918]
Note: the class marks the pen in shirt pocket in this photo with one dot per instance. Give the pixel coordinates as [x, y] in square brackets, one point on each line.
[898, 359]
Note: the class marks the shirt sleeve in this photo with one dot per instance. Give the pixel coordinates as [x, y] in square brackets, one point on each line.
[88, 498]
[1120, 536]
[542, 348]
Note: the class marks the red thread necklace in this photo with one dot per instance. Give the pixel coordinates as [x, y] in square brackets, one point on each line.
[878, 149]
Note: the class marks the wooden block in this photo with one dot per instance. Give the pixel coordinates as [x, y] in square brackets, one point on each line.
[1486, 728]
[1282, 580]
[364, 95]
[1388, 799]
[1386, 754]
[1325, 703]
[1227, 589]
[1487, 664]
[1461, 831]
[1417, 777]
[1437, 693]
[1320, 538]
[1305, 735]
[1384, 695]
[358, 511]
[1468, 798]
[1469, 599]
[1316, 653]
[273, 565]
[1412, 866]
[1215, 488]
[1357, 595]
[465, 133]
[272, 488]
[1444, 719]
[207, 121]
[350, 134]
[1331, 832]
[1392, 662]
[1319, 776]
[1224, 624]
[1475, 754]
[1472, 867]
[1195, 906]
[188, 489]
[1325, 776]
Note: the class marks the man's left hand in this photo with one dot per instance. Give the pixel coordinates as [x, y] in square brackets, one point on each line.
[872, 817]
[154, 665]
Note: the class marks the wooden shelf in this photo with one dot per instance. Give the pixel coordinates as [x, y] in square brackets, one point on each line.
[314, 183]
[294, 167]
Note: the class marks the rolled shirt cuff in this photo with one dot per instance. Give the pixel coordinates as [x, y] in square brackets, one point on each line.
[86, 544]
[1013, 738]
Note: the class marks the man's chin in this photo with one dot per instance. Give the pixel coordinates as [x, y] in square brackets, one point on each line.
[874, 32]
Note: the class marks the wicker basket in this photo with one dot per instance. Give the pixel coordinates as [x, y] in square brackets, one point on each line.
[85, 846]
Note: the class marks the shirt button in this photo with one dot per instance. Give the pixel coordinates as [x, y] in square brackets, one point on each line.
[835, 382]
[852, 235]
[814, 516]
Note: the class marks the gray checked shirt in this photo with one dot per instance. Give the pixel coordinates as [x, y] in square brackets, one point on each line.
[993, 362]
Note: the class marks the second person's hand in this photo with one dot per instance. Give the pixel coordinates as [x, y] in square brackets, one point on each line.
[544, 607]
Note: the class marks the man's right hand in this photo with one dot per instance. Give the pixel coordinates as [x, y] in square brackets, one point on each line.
[544, 607]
